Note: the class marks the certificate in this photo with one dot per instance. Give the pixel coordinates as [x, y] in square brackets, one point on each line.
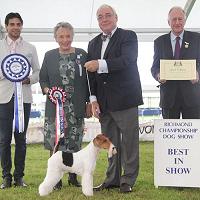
[177, 69]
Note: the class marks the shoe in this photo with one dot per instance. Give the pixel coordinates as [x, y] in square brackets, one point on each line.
[19, 183]
[103, 186]
[72, 180]
[58, 186]
[7, 183]
[124, 188]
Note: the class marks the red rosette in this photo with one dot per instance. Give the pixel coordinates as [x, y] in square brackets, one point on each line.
[57, 93]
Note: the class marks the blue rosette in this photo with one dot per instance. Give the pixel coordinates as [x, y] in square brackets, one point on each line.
[15, 67]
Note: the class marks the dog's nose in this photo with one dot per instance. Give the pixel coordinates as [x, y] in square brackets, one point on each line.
[114, 150]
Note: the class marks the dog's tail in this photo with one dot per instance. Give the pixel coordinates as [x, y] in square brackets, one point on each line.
[56, 147]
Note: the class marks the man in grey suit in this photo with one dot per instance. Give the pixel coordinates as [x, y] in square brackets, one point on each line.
[13, 43]
[178, 97]
[116, 94]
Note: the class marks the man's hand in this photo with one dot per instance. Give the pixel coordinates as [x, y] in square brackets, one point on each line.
[88, 110]
[26, 81]
[95, 109]
[160, 80]
[195, 80]
[92, 66]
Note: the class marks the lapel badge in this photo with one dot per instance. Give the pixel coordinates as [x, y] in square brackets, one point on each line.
[187, 44]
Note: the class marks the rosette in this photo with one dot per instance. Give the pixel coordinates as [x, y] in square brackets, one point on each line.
[57, 93]
[58, 96]
[15, 67]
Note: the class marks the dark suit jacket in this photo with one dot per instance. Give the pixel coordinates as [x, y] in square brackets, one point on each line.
[168, 90]
[120, 88]
[50, 76]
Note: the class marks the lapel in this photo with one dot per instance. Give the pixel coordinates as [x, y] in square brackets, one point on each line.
[168, 46]
[98, 47]
[55, 63]
[56, 60]
[5, 48]
[110, 44]
[186, 39]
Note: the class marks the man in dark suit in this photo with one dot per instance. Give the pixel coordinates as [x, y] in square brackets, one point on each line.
[116, 94]
[178, 97]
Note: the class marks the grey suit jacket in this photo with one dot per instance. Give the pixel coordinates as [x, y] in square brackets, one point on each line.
[6, 86]
[168, 90]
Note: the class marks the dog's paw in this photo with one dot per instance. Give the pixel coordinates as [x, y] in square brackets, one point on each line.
[87, 192]
[43, 191]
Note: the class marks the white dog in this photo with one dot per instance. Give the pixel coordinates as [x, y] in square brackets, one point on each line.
[82, 163]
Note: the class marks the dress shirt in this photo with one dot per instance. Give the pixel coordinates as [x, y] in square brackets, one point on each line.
[173, 40]
[13, 44]
[103, 68]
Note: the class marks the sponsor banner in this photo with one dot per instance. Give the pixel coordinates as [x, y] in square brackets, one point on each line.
[92, 128]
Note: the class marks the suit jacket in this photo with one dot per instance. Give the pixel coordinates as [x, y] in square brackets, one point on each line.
[168, 90]
[120, 88]
[6, 86]
[50, 76]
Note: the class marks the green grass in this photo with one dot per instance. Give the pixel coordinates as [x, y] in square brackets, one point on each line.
[144, 189]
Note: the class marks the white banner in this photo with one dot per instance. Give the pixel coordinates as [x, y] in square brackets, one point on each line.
[177, 152]
[92, 128]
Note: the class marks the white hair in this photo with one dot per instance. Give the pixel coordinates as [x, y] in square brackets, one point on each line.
[177, 8]
[106, 6]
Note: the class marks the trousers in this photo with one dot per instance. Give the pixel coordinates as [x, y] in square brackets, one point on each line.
[122, 127]
[6, 132]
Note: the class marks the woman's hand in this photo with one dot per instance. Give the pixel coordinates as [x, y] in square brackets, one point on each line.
[46, 90]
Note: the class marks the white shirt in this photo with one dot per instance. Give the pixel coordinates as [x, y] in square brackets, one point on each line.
[103, 68]
[13, 44]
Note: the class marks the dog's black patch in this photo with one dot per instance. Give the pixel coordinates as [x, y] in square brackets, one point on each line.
[67, 158]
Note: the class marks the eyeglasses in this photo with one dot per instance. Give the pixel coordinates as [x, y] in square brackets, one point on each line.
[106, 16]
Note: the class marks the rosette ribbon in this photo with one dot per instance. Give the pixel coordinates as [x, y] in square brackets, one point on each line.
[16, 68]
[58, 96]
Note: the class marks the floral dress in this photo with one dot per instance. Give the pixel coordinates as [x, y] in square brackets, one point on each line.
[73, 126]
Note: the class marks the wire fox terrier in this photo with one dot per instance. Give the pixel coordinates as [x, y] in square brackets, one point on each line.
[82, 163]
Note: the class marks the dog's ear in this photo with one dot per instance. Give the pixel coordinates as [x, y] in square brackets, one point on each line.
[95, 142]
[98, 140]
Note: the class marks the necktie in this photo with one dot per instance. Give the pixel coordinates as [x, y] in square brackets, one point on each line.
[104, 37]
[177, 49]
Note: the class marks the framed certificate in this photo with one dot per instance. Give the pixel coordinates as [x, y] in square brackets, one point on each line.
[177, 69]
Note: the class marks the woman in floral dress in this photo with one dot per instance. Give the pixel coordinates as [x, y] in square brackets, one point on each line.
[63, 68]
